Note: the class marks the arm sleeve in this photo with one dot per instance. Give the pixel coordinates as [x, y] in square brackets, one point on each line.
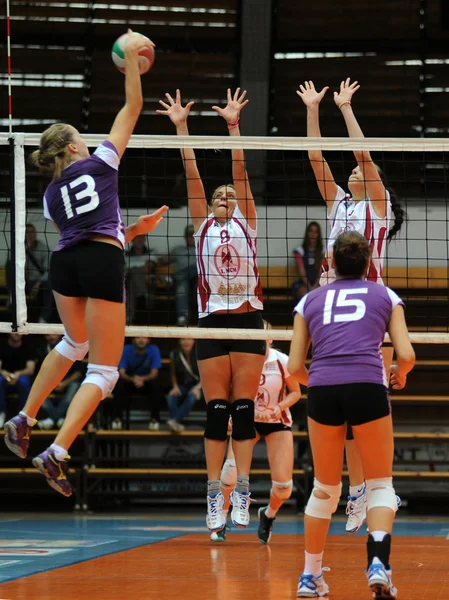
[299, 308]
[108, 154]
[395, 300]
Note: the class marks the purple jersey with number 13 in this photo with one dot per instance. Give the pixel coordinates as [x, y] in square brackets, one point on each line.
[347, 321]
[83, 200]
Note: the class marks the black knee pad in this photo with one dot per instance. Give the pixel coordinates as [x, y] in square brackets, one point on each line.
[242, 413]
[349, 432]
[218, 413]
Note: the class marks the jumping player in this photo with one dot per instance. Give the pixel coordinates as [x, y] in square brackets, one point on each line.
[346, 322]
[229, 296]
[367, 209]
[277, 392]
[87, 271]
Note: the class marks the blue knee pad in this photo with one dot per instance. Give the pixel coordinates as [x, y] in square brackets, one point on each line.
[217, 414]
[242, 412]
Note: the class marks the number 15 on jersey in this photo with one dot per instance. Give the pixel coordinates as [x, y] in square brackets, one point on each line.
[356, 307]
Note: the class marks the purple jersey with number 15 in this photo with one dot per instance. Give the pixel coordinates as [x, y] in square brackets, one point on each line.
[347, 321]
[83, 200]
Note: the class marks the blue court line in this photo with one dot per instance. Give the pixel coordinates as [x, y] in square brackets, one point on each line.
[102, 537]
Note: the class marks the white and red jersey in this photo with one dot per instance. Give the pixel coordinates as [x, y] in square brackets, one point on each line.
[227, 265]
[272, 389]
[347, 215]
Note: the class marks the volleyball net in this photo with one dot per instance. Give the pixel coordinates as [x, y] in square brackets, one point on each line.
[287, 200]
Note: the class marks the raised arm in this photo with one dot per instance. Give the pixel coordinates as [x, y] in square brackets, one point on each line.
[298, 351]
[375, 189]
[323, 174]
[231, 114]
[126, 119]
[195, 190]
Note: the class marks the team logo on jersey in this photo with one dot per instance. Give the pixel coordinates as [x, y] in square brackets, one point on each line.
[262, 400]
[227, 261]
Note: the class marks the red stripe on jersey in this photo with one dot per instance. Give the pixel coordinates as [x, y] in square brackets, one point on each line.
[380, 243]
[324, 265]
[258, 292]
[368, 223]
[203, 286]
[372, 274]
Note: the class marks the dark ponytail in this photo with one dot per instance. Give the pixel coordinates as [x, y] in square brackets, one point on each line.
[399, 214]
[398, 211]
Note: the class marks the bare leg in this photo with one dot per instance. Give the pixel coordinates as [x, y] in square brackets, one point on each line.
[55, 366]
[105, 323]
[281, 457]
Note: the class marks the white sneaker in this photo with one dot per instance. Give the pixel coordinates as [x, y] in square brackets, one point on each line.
[46, 423]
[379, 582]
[153, 425]
[60, 423]
[2, 419]
[174, 426]
[240, 508]
[215, 518]
[116, 425]
[310, 586]
[356, 511]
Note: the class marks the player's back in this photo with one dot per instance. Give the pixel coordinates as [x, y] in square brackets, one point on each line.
[347, 321]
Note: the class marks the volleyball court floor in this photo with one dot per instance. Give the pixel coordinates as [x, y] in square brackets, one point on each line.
[110, 557]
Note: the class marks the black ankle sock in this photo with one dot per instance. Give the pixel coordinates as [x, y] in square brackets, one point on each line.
[380, 550]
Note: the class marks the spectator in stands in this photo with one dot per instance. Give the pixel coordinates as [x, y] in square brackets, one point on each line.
[37, 285]
[17, 367]
[139, 370]
[56, 406]
[308, 258]
[186, 385]
[184, 259]
[141, 280]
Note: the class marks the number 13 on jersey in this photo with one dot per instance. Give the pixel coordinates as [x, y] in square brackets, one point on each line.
[356, 306]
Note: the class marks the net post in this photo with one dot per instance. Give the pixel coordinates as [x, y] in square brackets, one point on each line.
[18, 219]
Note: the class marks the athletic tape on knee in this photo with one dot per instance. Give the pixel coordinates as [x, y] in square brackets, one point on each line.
[217, 418]
[242, 412]
[280, 490]
[380, 494]
[72, 350]
[323, 509]
[228, 477]
[103, 376]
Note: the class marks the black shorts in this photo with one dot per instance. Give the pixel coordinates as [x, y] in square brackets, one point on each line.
[89, 270]
[351, 403]
[264, 429]
[211, 348]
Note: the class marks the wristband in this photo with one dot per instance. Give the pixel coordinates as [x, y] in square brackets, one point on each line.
[234, 125]
[343, 103]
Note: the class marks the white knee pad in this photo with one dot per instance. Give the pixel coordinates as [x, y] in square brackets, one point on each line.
[228, 478]
[323, 509]
[380, 494]
[282, 490]
[72, 350]
[103, 376]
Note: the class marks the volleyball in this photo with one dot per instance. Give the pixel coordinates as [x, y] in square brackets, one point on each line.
[146, 55]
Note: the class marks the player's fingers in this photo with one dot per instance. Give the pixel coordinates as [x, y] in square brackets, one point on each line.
[169, 98]
[242, 96]
[236, 94]
[164, 104]
[178, 96]
[244, 103]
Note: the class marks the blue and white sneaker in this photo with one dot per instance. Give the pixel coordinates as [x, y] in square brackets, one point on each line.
[240, 509]
[356, 510]
[379, 582]
[215, 519]
[310, 586]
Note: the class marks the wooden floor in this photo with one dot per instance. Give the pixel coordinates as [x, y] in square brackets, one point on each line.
[190, 567]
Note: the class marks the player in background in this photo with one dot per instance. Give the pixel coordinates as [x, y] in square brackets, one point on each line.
[87, 271]
[368, 209]
[229, 296]
[277, 392]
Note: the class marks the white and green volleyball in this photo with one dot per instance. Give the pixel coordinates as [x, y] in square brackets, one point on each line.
[146, 55]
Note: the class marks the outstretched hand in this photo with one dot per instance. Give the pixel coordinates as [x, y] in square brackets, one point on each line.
[174, 110]
[134, 42]
[309, 95]
[147, 223]
[347, 90]
[231, 112]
